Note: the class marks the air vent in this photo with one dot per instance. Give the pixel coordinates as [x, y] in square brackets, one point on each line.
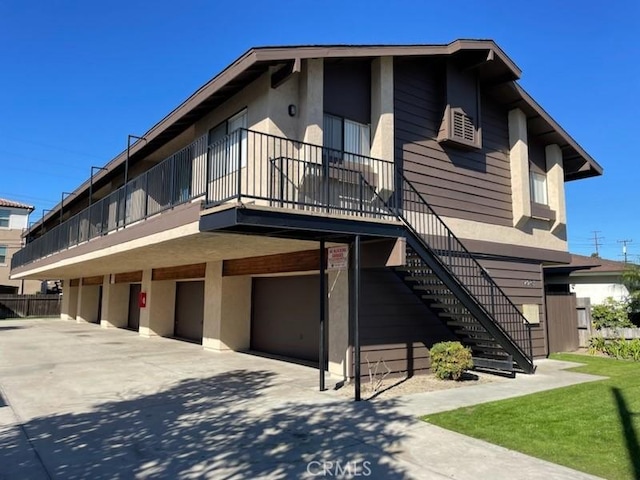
[459, 128]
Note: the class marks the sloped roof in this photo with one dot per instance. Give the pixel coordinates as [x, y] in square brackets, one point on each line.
[495, 64]
[12, 204]
[596, 265]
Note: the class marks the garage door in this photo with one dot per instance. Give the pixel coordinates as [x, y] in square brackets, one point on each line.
[134, 307]
[189, 310]
[285, 316]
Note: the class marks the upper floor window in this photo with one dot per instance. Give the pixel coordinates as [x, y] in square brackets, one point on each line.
[538, 185]
[344, 135]
[228, 145]
[3, 254]
[4, 218]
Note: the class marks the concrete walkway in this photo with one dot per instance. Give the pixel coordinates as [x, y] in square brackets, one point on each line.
[85, 402]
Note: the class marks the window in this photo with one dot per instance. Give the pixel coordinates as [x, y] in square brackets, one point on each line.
[4, 218]
[343, 135]
[3, 254]
[227, 143]
[538, 184]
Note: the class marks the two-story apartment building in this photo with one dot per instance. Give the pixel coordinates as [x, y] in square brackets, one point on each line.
[442, 177]
[14, 219]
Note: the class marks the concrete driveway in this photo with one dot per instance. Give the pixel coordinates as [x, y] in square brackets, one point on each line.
[85, 402]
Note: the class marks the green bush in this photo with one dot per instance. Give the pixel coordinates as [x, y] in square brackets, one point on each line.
[617, 348]
[450, 359]
[596, 345]
[611, 314]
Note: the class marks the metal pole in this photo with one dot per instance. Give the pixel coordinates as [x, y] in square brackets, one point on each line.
[356, 316]
[323, 299]
[91, 182]
[61, 204]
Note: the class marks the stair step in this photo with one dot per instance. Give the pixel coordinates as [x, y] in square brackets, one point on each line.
[438, 296]
[443, 305]
[494, 364]
[421, 278]
[431, 287]
[455, 315]
[471, 334]
[411, 268]
[490, 349]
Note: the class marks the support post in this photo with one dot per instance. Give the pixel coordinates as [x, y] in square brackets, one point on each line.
[322, 360]
[356, 316]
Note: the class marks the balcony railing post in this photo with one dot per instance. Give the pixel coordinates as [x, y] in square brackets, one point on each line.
[146, 194]
[325, 160]
[207, 174]
[239, 133]
[172, 179]
[361, 182]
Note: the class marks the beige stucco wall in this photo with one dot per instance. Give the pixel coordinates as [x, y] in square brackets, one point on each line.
[69, 304]
[382, 132]
[311, 108]
[519, 159]
[535, 233]
[338, 328]
[227, 310]
[157, 318]
[159, 315]
[115, 304]
[88, 298]
[527, 231]
[555, 187]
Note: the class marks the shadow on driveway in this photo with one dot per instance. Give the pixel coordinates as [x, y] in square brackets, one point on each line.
[221, 426]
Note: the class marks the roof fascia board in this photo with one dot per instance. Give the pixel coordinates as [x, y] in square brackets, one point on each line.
[565, 136]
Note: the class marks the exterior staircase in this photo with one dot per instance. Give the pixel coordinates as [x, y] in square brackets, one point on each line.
[453, 285]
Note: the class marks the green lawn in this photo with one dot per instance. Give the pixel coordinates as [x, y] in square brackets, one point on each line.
[592, 427]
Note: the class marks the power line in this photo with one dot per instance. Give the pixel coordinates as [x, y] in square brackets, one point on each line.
[624, 248]
[597, 241]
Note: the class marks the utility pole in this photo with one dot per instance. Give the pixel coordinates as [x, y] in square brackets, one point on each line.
[597, 242]
[624, 248]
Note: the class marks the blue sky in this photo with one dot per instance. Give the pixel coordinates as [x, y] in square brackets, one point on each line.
[79, 76]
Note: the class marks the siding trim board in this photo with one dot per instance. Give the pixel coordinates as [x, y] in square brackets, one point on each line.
[196, 270]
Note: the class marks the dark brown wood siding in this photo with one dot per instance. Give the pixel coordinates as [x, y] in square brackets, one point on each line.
[468, 184]
[347, 89]
[197, 270]
[128, 277]
[563, 322]
[98, 280]
[523, 284]
[395, 325]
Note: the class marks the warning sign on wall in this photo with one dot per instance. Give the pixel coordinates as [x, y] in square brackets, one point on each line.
[338, 257]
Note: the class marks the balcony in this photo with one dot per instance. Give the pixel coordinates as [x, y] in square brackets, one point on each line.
[244, 167]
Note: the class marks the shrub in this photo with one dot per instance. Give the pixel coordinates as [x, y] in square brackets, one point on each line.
[611, 314]
[596, 345]
[617, 348]
[450, 359]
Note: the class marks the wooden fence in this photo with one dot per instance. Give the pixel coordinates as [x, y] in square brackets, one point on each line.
[17, 306]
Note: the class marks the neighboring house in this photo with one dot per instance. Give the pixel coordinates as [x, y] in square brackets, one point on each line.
[441, 175]
[594, 278]
[14, 219]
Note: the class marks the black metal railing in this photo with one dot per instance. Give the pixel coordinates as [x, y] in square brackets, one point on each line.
[248, 166]
[436, 237]
[177, 179]
[270, 171]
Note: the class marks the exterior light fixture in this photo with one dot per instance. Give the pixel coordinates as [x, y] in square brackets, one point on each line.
[292, 110]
